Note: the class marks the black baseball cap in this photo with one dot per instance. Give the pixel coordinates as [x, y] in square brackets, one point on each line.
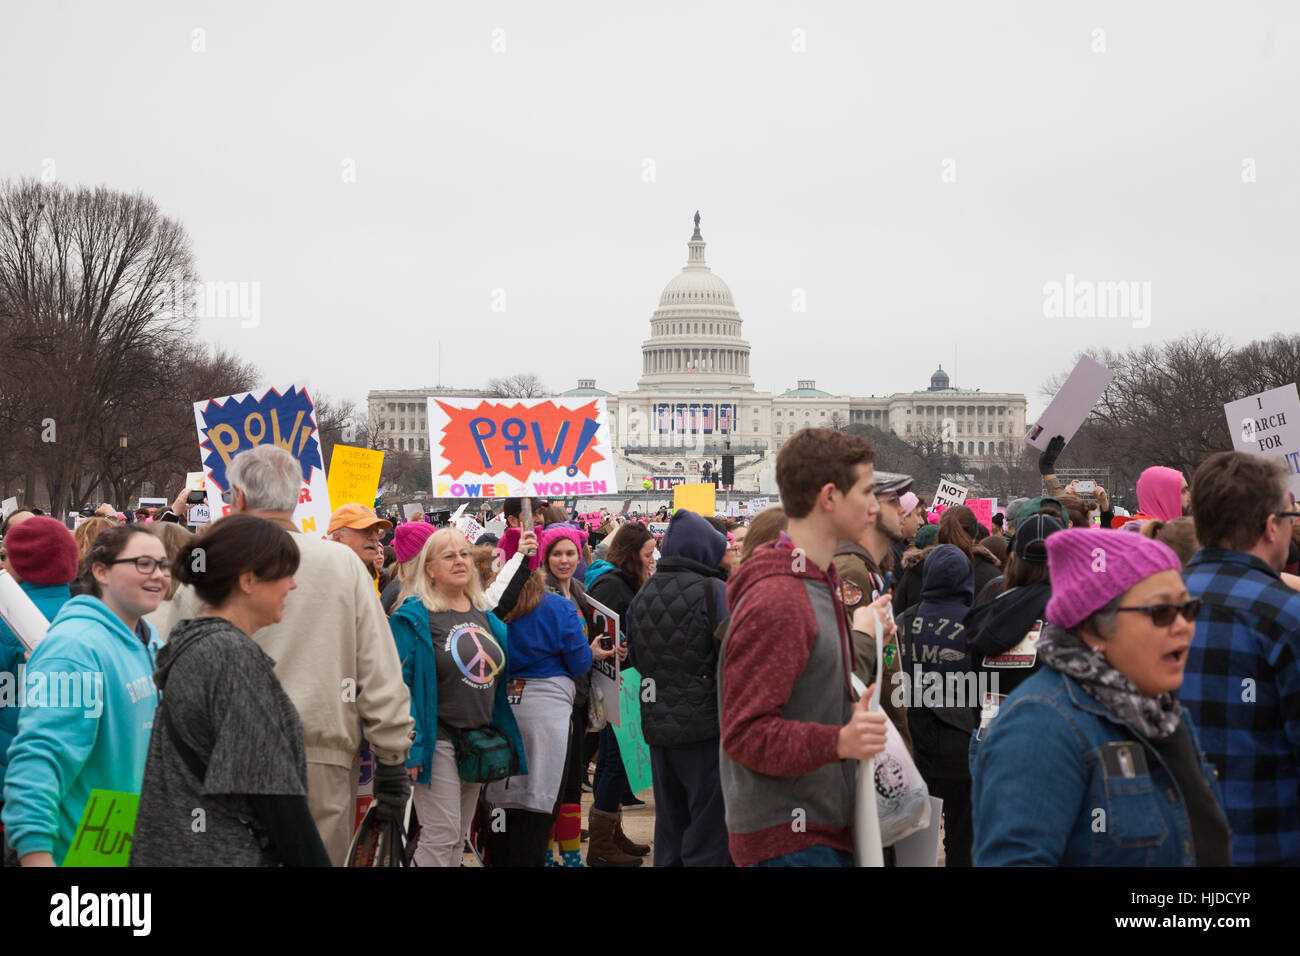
[1027, 543]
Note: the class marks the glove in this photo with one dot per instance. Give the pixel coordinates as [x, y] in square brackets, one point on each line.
[1047, 460]
[392, 790]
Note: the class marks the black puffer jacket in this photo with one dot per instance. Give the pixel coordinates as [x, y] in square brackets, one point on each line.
[670, 634]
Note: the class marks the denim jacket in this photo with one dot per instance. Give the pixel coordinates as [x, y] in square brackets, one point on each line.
[1053, 783]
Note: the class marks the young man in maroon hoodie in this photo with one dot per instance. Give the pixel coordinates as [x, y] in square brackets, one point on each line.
[791, 729]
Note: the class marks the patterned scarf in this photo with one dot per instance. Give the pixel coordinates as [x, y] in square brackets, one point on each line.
[1065, 651]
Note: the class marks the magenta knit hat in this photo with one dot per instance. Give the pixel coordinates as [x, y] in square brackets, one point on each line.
[1090, 567]
[547, 539]
[409, 538]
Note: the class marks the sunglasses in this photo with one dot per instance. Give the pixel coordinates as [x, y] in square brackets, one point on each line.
[1162, 615]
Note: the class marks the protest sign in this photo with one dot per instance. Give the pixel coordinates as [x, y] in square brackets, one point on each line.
[1071, 404]
[658, 528]
[459, 511]
[354, 476]
[949, 493]
[413, 511]
[983, 508]
[497, 526]
[10, 505]
[194, 481]
[470, 528]
[499, 448]
[1269, 424]
[198, 516]
[604, 673]
[151, 503]
[754, 505]
[631, 742]
[20, 612]
[103, 836]
[285, 417]
[701, 499]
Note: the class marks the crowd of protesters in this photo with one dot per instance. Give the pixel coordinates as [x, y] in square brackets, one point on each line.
[1108, 691]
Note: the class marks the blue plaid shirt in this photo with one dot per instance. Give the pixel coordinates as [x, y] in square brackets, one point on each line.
[1242, 686]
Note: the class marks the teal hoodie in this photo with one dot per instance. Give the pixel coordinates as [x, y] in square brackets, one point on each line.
[48, 598]
[82, 734]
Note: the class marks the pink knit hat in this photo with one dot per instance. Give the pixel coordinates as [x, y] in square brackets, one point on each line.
[1090, 567]
[547, 539]
[409, 538]
[909, 501]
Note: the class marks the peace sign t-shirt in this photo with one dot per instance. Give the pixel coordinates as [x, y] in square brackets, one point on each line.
[469, 663]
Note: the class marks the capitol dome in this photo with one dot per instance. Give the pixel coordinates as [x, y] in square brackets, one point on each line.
[695, 333]
[696, 285]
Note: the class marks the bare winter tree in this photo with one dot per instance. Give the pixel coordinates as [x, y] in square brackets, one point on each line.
[524, 385]
[88, 281]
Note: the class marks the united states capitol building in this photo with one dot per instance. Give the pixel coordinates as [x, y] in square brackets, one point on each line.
[695, 400]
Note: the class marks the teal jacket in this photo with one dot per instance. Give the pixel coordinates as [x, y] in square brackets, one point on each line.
[84, 726]
[48, 598]
[410, 627]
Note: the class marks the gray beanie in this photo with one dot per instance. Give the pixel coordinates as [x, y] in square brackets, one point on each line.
[1013, 506]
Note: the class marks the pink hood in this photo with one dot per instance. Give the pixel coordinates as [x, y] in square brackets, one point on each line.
[1160, 493]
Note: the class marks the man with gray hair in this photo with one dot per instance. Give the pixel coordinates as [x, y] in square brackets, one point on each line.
[334, 654]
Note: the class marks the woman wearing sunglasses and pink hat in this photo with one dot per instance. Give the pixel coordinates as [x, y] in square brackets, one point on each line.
[1093, 761]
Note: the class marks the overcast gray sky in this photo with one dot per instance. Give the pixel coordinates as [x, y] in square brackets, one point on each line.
[558, 151]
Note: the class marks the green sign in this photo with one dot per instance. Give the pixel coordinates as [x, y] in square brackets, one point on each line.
[103, 836]
[636, 752]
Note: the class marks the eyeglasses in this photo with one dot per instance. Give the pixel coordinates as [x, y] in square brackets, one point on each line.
[1162, 615]
[146, 565]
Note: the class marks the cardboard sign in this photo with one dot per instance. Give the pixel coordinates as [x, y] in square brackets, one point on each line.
[983, 508]
[1269, 424]
[631, 742]
[604, 673]
[21, 613]
[949, 493]
[1072, 404]
[284, 416]
[702, 499]
[103, 836]
[354, 476]
[495, 448]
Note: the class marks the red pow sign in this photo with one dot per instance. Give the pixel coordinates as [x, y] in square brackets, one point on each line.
[517, 440]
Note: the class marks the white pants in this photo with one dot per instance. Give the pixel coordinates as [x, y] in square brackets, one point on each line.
[445, 808]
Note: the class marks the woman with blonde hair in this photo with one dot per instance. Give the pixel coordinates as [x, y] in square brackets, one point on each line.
[766, 526]
[85, 534]
[455, 668]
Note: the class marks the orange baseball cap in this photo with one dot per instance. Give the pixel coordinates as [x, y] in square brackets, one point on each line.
[358, 517]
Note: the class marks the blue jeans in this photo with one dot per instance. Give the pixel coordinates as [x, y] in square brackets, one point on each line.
[609, 786]
[813, 856]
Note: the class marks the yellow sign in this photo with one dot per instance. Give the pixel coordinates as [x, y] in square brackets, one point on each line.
[698, 498]
[354, 476]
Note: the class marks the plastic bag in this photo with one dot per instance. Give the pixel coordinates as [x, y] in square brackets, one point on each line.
[902, 798]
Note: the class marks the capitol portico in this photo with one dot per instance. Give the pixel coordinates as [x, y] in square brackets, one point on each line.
[695, 400]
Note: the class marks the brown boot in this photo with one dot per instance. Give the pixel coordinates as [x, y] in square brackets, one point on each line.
[622, 841]
[603, 850]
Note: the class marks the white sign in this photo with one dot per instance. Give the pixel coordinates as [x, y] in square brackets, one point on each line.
[283, 416]
[658, 528]
[10, 506]
[470, 528]
[21, 613]
[949, 493]
[1269, 424]
[194, 481]
[153, 503]
[1071, 405]
[459, 511]
[754, 505]
[604, 673]
[501, 448]
[199, 515]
